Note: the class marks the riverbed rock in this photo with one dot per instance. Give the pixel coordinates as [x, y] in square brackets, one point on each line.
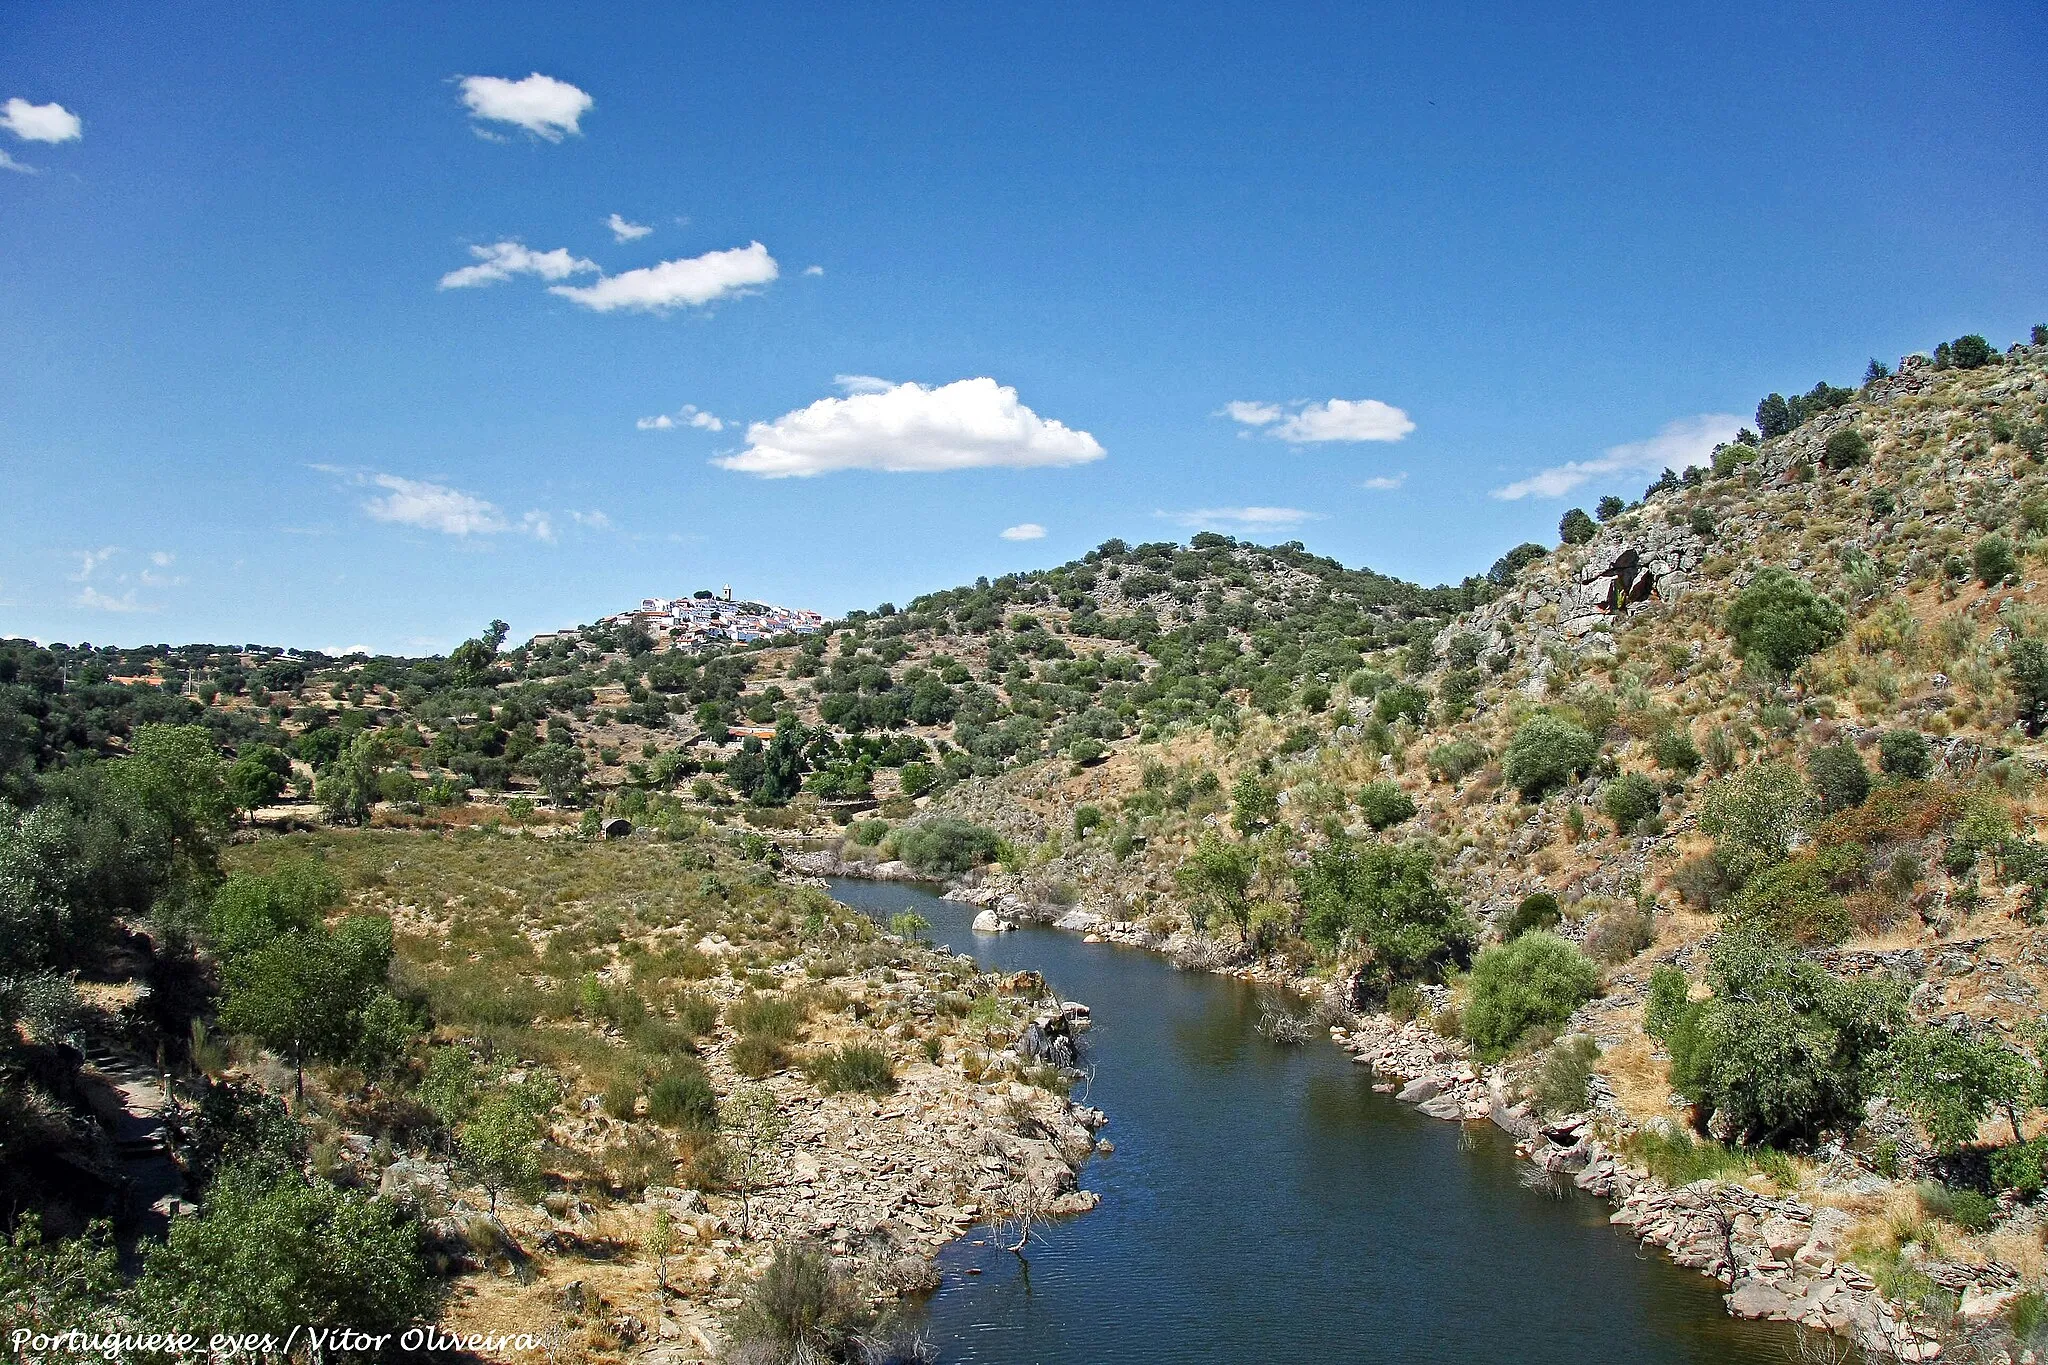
[989, 922]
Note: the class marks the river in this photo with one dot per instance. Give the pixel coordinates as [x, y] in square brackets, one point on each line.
[1264, 1204]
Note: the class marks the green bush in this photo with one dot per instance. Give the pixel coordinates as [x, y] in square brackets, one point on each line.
[947, 847]
[684, 1099]
[1779, 620]
[1846, 449]
[1538, 910]
[1905, 753]
[1545, 753]
[1559, 1085]
[1386, 899]
[1384, 804]
[868, 833]
[1454, 761]
[1968, 1209]
[2021, 1167]
[1629, 800]
[1795, 902]
[1535, 981]
[1994, 560]
[1754, 815]
[1675, 752]
[802, 1308]
[1670, 994]
[857, 1066]
[1621, 933]
[1678, 1160]
[1839, 778]
[769, 1016]
[757, 1055]
[1403, 699]
[1575, 527]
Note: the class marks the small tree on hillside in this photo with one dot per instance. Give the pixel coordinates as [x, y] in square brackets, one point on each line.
[1255, 805]
[1545, 753]
[1839, 778]
[1217, 876]
[1754, 815]
[1846, 449]
[1575, 527]
[753, 1129]
[2026, 665]
[1779, 620]
[1609, 508]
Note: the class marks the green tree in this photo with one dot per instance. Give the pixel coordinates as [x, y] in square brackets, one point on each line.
[1575, 527]
[471, 661]
[57, 1285]
[1255, 805]
[303, 992]
[1609, 508]
[347, 787]
[1951, 1081]
[753, 1128]
[1774, 416]
[1545, 753]
[1629, 800]
[559, 769]
[1217, 877]
[274, 1250]
[1845, 449]
[1971, 352]
[258, 777]
[1779, 620]
[1754, 815]
[1905, 753]
[1840, 780]
[782, 765]
[252, 908]
[1536, 980]
[1385, 899]
[947, 846]
[2026, 665]
[1994, 560]
[1384, 804]
[499, 1144]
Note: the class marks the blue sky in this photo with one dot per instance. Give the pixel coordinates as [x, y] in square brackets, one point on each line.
[244, 400]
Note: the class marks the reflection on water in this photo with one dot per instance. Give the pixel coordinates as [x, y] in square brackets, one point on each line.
[1265, 1204]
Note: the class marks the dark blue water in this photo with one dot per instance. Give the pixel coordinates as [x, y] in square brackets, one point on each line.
[1264, 1204]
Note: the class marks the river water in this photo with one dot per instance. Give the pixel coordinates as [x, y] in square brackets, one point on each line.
[1263, 1204]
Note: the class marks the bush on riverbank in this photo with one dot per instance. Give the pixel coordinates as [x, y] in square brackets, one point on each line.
[1535, 981]
[947, 847]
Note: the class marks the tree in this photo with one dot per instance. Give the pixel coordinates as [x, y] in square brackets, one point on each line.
[753, 1129]
[1780, 620]
[472, 660]
[1783, 1049]
[1510, 565]
[1754, 815]
[1845, 449]
[1536, 980]
[1575, 527]
[559, 769]
[274, 1250]
[1217, 876]
[1255, 805]
[1876, 370]
[1905, 754]
[303, 992]
[1971, 352]
[347, 787]
[252, 908]
[47, 1287]
[1385, 899]
[499, 1144]
[1994, 560]
[1951, 1081]
[1840, 780]
[947, 846]
[744, 769]
[1629, 800]
[2026, 665]
[258, 777]
[1609, 508]
[1384, 804]
[1545, 753]
[1774, 416]
[782, 765]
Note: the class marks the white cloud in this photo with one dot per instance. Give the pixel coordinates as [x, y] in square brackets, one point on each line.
[1029, 530]
[1242, 518]
[861, 383]
[593, 521]
[814, 270]
[624, 231]
[450, 511]
[92, 597]
[689, 282]
[1336, 419]
[1385, 483]
[541, 105]
[8, 163]
[968, 424]
[163, 559]
[92, 561]
[1680, 445]
[690, 416]
[41, 122]
[500, 261]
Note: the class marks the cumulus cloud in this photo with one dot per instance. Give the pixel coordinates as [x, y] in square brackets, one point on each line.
[450, 511]
[92, 597]
[1241, 518]
[1682, 444]
[591, 521]
[689, 282]
[40, 122]
[163, 559]
[1385, 483]
[1335, 419]
[690, 415]
[500, 261]
[908, 428]
[91, 562]
[1029, 530]
[624, 231]
[542, 105]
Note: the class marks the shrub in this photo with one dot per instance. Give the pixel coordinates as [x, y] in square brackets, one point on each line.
[770, 1016]
[1559, 1085]
[1967, 1209]
[1670, 994]
[1452, 762]
[1609, 507]
[1905, 753]
[1510, 565]
[622, 1098]
[2021, 1167]
[1994, 560]
[802, 1308]
[947, 846]
[857, 1066]
[1702, 880]
[1678, 1160]
[1971, 352]
[684, 1099]
[2026, 663]
[1846, 449]
[1754, 814]
[1255, 805]
[1729, 459]
[757, 1055]
[1535, 981]
[1675, 752]
[1384, 804]
[868, 833]
[1621, 933]
[1403, 699]
[1575, 527]
[1385, 898]
[1779, 620]
[1840, 780]
[1794, 902]
[1538, 910]
[1629, 800]
[1545, 753]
